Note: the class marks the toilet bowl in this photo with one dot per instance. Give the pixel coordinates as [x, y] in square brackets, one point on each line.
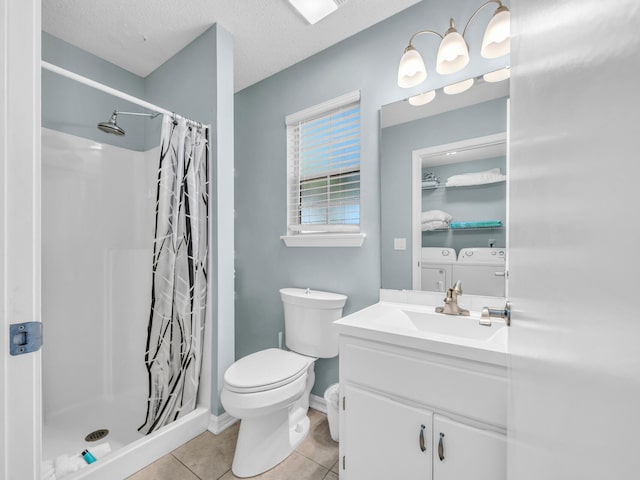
[269, 390]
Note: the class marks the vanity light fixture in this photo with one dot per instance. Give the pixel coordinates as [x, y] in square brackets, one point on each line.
[453, 52]
[315, 10]
[422, 98]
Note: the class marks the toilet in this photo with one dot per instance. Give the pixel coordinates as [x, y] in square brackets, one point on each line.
[269, 390]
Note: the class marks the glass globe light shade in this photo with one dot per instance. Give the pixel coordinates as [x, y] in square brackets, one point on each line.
[411, 71]
[459, 87]
[497, 37]
[422, 98]
[497, 75]
[453, 53]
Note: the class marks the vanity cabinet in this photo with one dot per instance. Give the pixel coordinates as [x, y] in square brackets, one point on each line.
[412, 414]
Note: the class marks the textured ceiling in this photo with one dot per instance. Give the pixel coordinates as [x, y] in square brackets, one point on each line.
[269, 35]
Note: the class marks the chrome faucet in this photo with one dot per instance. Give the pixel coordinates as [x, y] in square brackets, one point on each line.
[451, 306]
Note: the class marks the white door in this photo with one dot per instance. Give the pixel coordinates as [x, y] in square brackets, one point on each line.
[385, 439]
[463, 452]
[575, 333]
[20, 402]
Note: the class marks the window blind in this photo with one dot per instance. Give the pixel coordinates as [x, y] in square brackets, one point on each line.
[323, 164]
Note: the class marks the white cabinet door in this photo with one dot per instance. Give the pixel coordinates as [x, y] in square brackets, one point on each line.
[462, 452]
[383, 438]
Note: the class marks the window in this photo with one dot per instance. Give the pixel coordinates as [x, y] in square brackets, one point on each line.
[323, 168]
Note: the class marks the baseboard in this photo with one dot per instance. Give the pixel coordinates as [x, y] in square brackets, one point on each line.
[218, 424]
[318, 403]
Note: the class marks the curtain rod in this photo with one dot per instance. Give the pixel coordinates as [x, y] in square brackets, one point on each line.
[105, 88]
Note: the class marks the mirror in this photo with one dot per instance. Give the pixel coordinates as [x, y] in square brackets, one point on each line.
[443, 191]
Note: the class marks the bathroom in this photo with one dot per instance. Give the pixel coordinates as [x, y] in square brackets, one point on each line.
[573, 356]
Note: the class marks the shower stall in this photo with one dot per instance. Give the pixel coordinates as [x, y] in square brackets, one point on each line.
[104, 265]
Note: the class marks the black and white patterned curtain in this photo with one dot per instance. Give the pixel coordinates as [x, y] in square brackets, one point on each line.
[175, 333]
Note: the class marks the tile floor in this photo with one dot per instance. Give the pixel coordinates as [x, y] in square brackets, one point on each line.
[209, 457]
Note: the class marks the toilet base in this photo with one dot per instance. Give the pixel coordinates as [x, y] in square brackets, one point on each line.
[266, 441]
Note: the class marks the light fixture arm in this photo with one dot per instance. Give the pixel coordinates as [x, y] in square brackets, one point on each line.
[500, 6]
[421, 32]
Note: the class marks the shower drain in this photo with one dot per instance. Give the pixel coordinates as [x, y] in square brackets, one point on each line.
[96, 435]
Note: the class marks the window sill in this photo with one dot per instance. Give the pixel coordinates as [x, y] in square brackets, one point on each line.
[324, 240]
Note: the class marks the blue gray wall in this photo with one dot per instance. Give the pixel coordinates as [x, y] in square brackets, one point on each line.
[70, 107]
[367, 62]
[186, 83]
[397, 144]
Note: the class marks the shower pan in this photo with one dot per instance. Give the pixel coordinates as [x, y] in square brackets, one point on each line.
[98, 214]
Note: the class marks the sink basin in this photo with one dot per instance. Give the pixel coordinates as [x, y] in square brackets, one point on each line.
[419, 326]
[437, 324]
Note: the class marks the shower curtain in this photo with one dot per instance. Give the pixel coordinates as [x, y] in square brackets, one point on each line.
[175, 333]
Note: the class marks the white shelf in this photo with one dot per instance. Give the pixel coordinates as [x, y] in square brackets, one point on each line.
[443, 185]
[463, 229]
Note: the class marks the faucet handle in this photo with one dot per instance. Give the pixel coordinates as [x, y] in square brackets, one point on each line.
[485, 317]
[487, 313]
[457, 287]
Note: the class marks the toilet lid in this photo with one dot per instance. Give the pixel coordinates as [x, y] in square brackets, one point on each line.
[265, 370]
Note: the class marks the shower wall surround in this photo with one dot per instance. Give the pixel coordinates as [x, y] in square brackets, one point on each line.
[96, 257]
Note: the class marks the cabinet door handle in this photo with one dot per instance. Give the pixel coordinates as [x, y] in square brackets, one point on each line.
[423, 447]
[441, 447]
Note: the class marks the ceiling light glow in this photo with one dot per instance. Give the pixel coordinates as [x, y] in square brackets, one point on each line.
[314, 10]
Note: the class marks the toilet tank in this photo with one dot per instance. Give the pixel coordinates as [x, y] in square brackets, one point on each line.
[308, 321]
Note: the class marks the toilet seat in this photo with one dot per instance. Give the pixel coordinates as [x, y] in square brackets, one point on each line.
[265, 370]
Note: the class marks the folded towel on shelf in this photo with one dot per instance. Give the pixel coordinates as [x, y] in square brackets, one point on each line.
[434, 225]
[431, 215]
[430, 183]
[480, 224]
[477, 178]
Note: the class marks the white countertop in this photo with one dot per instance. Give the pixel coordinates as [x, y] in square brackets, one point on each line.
[419, 327]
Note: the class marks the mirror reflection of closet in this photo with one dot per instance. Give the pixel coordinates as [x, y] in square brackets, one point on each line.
[473, 124]
[459, 215]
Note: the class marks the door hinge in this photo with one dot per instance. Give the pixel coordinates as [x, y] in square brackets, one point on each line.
[25, 337]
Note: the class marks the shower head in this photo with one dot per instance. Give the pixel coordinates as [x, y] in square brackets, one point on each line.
[110, 126]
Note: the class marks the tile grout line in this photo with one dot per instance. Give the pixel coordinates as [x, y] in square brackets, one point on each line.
[309, 458]
[224, 474]
[186, 466]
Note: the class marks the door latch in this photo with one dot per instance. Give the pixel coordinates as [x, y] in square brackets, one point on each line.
[25, 337]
